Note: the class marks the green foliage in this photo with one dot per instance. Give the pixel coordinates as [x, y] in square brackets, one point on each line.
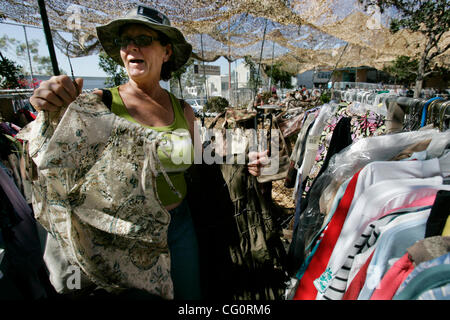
[431, 18]
[216, 104]
[18, 49]
[117, 74]
[428, 17]
[403, 69]
[325, 97]
[279, 76]
[10, 74]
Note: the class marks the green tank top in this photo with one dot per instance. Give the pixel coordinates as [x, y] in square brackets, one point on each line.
[176, 153]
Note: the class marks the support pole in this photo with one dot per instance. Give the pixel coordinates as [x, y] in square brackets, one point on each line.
[204, 78]
[48, 37]
[29, 56]
[271, 67]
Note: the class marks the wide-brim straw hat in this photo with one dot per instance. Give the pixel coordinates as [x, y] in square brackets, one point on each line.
[153, 19]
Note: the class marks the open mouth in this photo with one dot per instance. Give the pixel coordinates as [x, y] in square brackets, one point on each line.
[136, 61]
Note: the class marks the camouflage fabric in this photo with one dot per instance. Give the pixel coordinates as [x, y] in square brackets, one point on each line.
[234, 116]
[258, 257]
[95, 193]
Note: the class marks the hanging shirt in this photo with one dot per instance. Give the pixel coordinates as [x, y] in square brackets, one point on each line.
[373, 172]
[375, 202]
[392, 245]
[96, 194]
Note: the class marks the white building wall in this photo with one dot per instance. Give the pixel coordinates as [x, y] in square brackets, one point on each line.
[214, 85]
[243, 75]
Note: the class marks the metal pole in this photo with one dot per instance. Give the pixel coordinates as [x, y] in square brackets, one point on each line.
[271, 68]
[229, 63]
[204, 71]
[260, 56]
[204, 78]
[29, 56]
[48, 37]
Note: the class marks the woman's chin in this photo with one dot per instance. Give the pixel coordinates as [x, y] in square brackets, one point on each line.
[136, 74]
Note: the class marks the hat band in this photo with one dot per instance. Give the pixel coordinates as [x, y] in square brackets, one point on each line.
[153, 15]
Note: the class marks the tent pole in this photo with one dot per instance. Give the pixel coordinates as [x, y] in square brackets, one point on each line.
[29, 56]
[48, 37]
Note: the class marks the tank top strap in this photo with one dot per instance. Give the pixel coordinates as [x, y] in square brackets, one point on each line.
[178, 109]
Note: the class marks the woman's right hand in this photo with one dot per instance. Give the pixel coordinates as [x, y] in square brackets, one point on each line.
[56, 92]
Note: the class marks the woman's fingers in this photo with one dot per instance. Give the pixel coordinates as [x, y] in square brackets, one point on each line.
[258, 158]
[42, 104]
[256, 161]
[55, 93]
[67, 95]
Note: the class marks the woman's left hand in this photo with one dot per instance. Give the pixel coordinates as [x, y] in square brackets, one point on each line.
[257, 160]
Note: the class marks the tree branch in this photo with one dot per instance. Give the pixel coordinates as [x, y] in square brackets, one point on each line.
[439, 51]
[436, 40]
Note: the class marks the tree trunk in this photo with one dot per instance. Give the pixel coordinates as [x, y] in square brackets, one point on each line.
[420, 76]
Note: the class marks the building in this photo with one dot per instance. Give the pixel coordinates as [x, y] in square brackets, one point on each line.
[242, 75]
[320, 76]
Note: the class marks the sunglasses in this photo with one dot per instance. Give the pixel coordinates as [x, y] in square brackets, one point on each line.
[139, 41]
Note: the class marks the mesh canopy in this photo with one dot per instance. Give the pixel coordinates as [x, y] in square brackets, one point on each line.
[303, 34]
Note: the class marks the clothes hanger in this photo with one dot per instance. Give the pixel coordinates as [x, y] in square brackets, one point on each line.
[444, 163]
[443, 113]
[433, 112]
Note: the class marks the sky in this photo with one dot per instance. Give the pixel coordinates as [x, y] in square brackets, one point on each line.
[83, 66]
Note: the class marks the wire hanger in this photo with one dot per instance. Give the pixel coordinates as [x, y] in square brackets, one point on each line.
[444, 163]
[71, 69]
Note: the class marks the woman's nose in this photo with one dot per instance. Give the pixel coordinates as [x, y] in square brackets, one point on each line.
[131, 45]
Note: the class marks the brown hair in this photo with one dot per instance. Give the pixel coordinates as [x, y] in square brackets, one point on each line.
[167, 67]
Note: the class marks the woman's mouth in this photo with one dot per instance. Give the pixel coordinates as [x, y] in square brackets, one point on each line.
[136, 61]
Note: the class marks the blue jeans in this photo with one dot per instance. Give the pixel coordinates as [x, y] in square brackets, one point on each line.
[183, 248]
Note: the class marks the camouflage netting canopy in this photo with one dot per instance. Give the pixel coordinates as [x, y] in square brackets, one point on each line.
[303, 34]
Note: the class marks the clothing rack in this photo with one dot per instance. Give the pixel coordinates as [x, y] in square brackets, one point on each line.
[15, 93]
[24, 93]
[369, 96]
[379, 101]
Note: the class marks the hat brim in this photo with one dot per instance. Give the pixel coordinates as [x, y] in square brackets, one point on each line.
[181, 49]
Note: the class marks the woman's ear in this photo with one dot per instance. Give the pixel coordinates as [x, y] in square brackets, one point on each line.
[168, 52]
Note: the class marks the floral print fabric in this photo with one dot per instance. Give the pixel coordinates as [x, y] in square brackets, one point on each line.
[95, 193]
[362, 126]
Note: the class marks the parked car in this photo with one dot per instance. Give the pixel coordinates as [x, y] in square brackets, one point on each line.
[196, 106]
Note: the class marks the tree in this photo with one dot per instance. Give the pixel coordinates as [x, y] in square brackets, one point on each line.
[431, 18]
[116, 72]
[216, 104]
[10, 74]
[279, 76]
[403, 69]
[18, 49]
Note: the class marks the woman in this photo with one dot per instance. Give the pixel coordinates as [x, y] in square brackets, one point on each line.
[150, 50]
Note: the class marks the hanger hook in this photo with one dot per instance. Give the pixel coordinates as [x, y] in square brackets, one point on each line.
[70, 64]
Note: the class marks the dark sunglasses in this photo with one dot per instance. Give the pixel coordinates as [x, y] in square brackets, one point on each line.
[139, 41]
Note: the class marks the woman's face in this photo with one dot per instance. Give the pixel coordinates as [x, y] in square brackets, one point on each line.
[143, 63]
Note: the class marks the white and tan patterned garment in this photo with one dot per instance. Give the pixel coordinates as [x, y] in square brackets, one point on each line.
[95, 193]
